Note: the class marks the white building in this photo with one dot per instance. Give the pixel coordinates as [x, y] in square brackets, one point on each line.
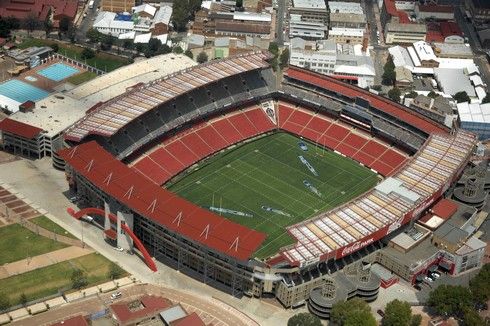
[346, 35]
[106, 23]
[475, 117]
[306, 29]
[345, 7]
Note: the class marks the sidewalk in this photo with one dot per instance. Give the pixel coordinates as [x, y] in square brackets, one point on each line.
[50, 258]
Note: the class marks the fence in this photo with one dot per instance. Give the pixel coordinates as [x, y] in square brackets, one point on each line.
[57, 56]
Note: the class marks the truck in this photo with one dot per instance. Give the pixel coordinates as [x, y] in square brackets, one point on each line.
[91, 4]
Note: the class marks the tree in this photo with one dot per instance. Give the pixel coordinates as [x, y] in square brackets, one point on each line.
[416, 320]
[389, 75]
[154, 45]
[139, 47]
[432, 94]
[471, 318]
[397, 313]
[4, 302]
[350, 312]
[78, 279]
[48, 26]
[23, 299]
[128, 44]
[189, 54]
[114, 271]
[182, 12]
[178, 50]
[360, 318]
[412, 94]
[480, 285]
[55, 47]
[106, 42]
[448, 300]
[31, 22]
[93, 35]
[87, 53]
[377, 87]
[274, 48]
[239, 3]
[394, 94]
[65, 24]
[284, 58]
[164, 49]
[304, 319]
[461, 97]
[202, 57]
[486, 99]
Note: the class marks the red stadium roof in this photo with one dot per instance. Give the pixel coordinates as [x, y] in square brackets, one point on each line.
[145, 197]
[19, 128]
[396, 110]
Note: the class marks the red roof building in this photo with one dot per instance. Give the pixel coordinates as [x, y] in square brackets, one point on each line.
[19, 128]
[74, 321]
[444, 208]
[131, 313]
[190, 320]
[21, 9]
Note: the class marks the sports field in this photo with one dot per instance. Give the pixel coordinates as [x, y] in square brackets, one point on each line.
[272, 182]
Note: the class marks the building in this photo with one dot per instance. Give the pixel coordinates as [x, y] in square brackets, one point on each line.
[434, 12]
[346, 35]
[307, 30]
[475, 117]
[479, 10]
[31, 56]
[404, 78]
[444, 32]
[347, 20]
[345, 7]
[21, 9]
[484, 36]
[232, 23]
[452, 81]
[391, 14]
[437, 109]
[23, 139]
[397, 33]
[117, 6]
[310, 10]
[453, 50]
[144, 19]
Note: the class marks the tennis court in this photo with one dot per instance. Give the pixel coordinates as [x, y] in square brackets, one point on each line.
[58, 72]
[21, 92]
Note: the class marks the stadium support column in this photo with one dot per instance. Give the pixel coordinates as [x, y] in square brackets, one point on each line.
[107, 221]
[123, 239]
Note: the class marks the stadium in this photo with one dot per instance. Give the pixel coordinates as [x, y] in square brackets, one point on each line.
[259, 184]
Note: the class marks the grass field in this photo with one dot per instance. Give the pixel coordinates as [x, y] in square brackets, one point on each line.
[46, 281]
[102, 61]
[82, 78]
[49, 225]
[17, 242]
[268, 174]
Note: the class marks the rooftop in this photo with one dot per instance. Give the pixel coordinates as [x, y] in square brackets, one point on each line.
[19, 128]
[347, 17]
[146, 306]
[58, 111]
[310, 4]
[474, 112]
[452, 81]
[345, 7]
[412, 28]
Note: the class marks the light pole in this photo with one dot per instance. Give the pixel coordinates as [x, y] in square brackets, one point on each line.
[83, 243]
[28, 258]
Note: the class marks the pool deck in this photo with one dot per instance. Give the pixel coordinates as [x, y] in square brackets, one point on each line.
[43, 82]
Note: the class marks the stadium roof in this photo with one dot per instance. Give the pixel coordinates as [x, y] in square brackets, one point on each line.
[146, 198]
[107, 119]
[343, 230]
[394, 109]
[18, 128]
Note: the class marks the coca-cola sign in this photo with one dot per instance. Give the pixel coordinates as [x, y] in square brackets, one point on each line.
[356, 246]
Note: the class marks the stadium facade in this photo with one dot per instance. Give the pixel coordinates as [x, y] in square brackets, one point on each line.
[121, 153]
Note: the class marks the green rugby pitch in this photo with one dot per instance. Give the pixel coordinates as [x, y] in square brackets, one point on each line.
[268, 172]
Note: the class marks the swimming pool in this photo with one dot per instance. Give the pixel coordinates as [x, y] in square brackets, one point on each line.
[21, 92]
[58, 71]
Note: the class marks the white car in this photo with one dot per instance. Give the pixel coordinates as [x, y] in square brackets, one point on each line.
[436, 275]
[116, 295]
[428, 279]
[118, 248]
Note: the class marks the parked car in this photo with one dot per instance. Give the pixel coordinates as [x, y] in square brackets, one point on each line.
[428, 279]
[435, 275]
[116, 295]
[118, 249]
[380, 312]
[417, 287]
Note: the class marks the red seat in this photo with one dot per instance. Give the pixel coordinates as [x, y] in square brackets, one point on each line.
[337, 132]
[382, 168]
[292, 127]
[318, 124]
[363, 158]
[301, 118]
[284, 114]
[355, 141]
[374, 148]
[167, 160]
[260, 120]
[346, 149]
[182, 153]
[198, 146]
[392, 158]
[227, 131]
[243, 125]
[211, 137]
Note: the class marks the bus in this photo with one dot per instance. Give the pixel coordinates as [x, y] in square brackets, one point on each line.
[91, 4]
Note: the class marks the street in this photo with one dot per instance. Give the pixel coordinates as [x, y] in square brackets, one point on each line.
[281, 12]
[86, 22]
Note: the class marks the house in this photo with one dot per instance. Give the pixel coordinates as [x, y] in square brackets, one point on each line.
[404, 78]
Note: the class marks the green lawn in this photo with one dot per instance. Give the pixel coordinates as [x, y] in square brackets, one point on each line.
[46, 281]
[267, 173]
[17, 242]
[82, 78]
[103, 61]
[49, 225]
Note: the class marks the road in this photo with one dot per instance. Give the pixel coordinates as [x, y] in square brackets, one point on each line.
[87, 22]
[281, 16]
